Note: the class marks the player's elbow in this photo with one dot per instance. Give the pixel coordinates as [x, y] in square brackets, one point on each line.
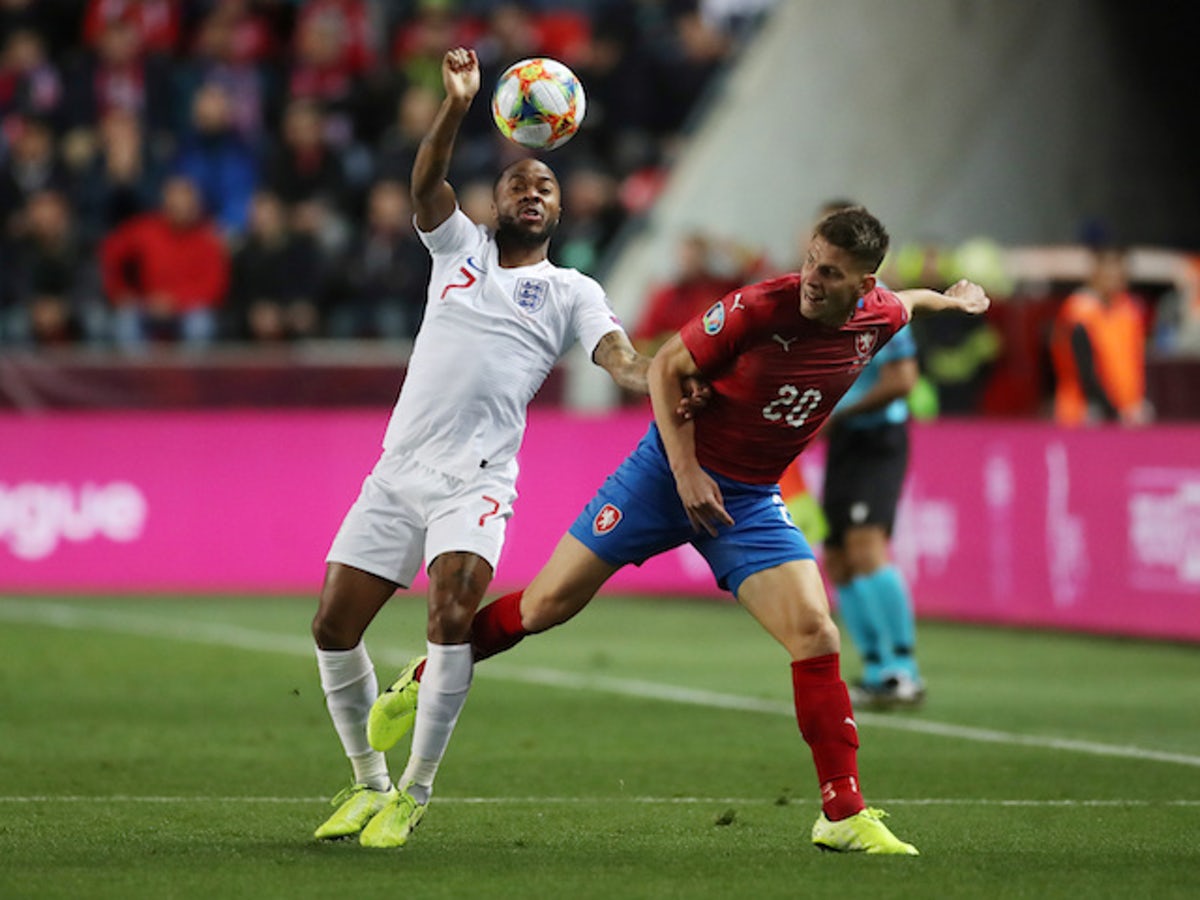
[672, 362]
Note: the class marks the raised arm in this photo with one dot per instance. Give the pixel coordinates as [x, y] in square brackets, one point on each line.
[670, 368]
[432, 196]
[963, 295]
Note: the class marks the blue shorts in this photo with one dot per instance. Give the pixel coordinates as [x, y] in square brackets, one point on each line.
[637, 514]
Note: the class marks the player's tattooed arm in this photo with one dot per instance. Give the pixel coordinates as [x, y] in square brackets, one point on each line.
[963, 295]
[628, 369]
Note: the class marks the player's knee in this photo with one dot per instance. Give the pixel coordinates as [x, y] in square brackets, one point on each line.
[450, 623]
[331, 633]
[815, 634]
[820, 627]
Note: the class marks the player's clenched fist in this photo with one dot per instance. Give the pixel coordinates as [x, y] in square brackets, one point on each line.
[973, 298]
[460, 73]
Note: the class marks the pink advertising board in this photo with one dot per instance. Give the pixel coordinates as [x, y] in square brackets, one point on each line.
[1096, 530]
[249, 501]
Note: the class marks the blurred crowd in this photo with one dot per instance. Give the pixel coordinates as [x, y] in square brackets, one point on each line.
[203, 170]
[195, 171]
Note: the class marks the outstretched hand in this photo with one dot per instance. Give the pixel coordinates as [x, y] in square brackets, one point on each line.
[460, 73]
[971, 297]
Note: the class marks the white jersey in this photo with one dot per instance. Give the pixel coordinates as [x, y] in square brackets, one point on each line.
[489, 338]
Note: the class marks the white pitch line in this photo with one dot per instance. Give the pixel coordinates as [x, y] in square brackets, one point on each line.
[62, 615]
[648, 801]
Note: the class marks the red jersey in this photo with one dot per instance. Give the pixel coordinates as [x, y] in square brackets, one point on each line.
[776, 375]
[145, 256]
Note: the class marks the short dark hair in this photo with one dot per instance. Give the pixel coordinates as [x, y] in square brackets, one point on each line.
[837, 203]
[856, 231]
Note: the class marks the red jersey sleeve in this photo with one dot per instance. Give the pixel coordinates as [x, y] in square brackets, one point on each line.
[776, 376]
[727, 328]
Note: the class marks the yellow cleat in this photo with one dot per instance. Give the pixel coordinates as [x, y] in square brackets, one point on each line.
[863, 832]
[394, 823]
[394, 711]
[356, 806]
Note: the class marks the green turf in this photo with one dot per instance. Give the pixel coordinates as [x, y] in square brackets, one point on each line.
[180, 748]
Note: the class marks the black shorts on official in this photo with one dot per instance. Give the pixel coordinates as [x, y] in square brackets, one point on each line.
[864, 473]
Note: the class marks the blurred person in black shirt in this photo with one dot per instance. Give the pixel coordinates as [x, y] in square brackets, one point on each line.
[277, 276]
[384, 273]
[32, 165]
[305, 167]
[51, 285]
[114, 173]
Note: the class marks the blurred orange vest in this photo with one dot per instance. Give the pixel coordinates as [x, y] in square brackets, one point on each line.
[1118, 336]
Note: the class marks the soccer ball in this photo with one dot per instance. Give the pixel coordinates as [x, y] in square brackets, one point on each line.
[538, 103]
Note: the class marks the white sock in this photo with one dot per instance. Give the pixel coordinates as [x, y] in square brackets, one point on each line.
[444, 686]
[348, 680]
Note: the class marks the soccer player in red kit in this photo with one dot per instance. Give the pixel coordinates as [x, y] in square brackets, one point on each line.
[779, 355]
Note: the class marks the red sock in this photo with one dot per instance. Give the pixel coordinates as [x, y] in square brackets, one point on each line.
[494, 629]
[497, 626]
[827, 723]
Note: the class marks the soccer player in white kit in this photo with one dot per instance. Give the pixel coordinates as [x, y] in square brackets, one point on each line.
[498, 317]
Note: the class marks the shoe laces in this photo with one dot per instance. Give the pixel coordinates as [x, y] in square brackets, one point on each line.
[346, 793]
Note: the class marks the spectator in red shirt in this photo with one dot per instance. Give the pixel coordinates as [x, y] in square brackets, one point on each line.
[156, 21]
[166, 273]
[349, 22]
[696, 286]
[333, 54]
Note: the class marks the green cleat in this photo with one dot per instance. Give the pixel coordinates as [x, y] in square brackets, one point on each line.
[863, 832]
[356, 806]
[394, 823]
[393, 712]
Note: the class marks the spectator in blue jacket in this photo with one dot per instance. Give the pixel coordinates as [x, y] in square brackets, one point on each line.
[218, 160]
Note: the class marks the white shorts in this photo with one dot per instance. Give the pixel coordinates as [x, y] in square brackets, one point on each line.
[407, 512]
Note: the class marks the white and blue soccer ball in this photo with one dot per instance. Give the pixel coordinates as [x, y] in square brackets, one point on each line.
[539, 103]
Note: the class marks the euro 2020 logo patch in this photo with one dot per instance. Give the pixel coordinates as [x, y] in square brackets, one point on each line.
[606, 520]
[714, 319]
[531, 294]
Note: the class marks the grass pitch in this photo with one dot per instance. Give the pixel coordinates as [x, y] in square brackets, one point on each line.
[180, 748]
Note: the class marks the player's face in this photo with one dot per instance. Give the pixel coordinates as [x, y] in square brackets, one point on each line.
[528, 202]
[831, 284]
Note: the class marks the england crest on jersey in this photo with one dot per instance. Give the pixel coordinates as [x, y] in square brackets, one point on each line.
[531, 293]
